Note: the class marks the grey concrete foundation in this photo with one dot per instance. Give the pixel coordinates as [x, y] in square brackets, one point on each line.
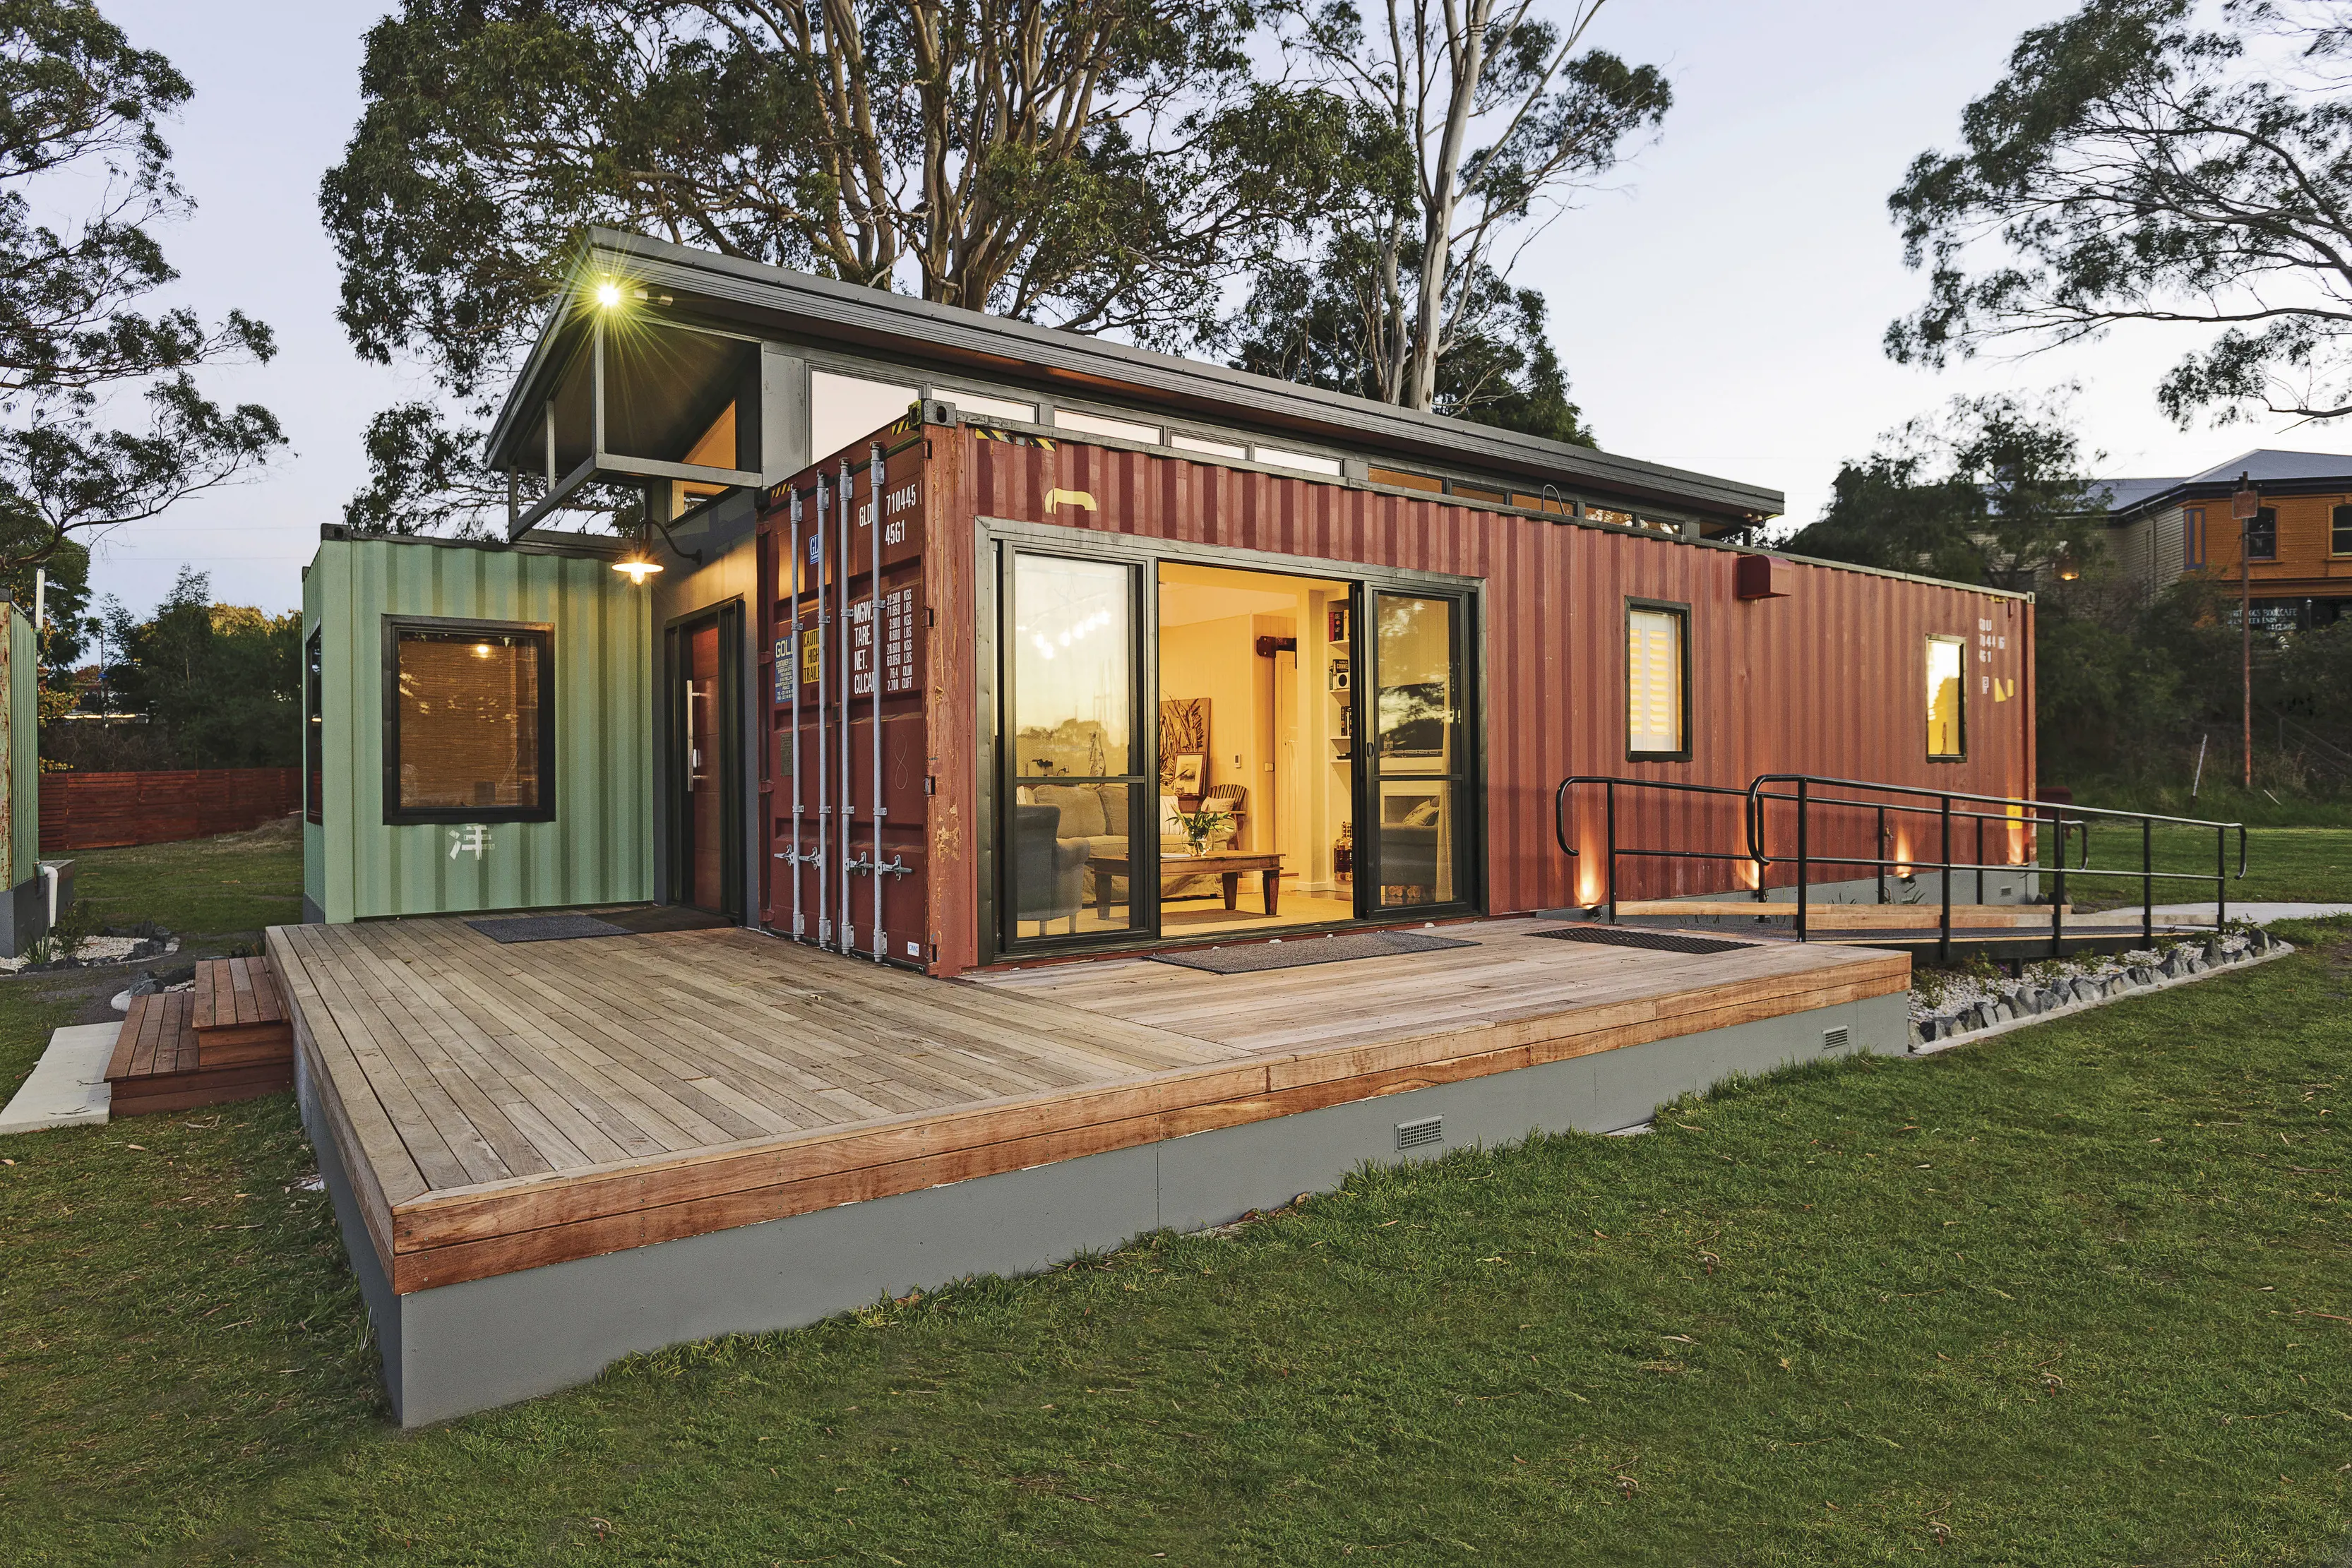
[23, 915]
[461, 1348]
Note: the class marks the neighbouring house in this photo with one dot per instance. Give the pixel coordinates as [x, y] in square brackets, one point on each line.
[2299, 546]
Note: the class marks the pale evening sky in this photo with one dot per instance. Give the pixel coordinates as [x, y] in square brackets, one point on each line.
[1720, 309]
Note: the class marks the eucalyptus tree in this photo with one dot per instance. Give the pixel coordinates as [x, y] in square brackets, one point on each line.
[2135, 166]
[1103, 165]
[80, 115]
[1476, 123]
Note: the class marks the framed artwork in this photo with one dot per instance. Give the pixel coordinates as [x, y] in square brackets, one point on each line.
[1188, 772]
[1183, 727]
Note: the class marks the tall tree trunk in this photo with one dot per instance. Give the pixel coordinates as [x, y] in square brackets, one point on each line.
[1465, 56]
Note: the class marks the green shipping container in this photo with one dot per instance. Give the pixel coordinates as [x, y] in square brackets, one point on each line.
[590, 787]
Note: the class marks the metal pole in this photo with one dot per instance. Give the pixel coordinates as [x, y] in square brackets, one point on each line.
[1980, 859]
[1610, 794]
[2220, 876]
[823, 852]
[793, 643]
[2058, 898]
[2147, 881]
[874, 672]
[1804, 869]
[1944, 928]
[841, 570]
[2247, 503]
[1881, 868]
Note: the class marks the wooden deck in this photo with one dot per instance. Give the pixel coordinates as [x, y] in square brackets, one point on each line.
[503, 1107]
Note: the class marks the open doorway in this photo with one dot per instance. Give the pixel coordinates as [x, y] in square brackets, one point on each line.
[1256, 750]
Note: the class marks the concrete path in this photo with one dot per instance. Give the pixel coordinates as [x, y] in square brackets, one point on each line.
[68, 1088]
[2202, 913]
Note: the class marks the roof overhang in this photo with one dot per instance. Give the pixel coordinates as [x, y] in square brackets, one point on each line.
[695, 289]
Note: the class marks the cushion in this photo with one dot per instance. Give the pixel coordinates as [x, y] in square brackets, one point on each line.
[1082, 807]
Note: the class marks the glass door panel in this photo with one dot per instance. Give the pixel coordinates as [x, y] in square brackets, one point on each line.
[1418, 786]
[1072, 749]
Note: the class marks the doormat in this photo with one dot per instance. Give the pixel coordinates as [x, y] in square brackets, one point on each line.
[1656, 941]
[1301, 951]
[546, 927]
[655, 917]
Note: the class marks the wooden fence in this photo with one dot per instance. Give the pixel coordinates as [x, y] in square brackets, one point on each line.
[103, 810]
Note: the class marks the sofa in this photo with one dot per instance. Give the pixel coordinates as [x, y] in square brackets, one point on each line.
[1094, 815]
[1049, 879]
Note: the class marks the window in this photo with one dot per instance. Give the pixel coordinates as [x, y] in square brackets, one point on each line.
[986, 407]
[1276, 457]
[1657, 683]
[2192, 536]
[314, 729]
[1405, 481]
[1099, 425]
[469, 722]
[2339, 531]
[1202, 444]
[843, 409]
[2261, 535]
[1947, 705]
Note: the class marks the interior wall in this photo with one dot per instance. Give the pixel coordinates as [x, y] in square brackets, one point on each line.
[1218, 660]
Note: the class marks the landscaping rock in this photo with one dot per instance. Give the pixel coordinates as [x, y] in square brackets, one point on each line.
[2141, 974]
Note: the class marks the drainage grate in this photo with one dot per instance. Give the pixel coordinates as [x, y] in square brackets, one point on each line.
[1414, 1135]
[1836, 1038]
[1656, 941]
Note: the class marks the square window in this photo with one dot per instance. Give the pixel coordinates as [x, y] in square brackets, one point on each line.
[469, 722]
[1657, 683]
[1948, 699]
[2261, 535]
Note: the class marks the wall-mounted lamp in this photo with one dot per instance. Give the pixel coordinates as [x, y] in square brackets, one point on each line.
[637, 568]
[608, 295]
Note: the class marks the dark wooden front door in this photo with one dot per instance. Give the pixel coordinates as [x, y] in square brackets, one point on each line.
[704, 761]
[706, 864]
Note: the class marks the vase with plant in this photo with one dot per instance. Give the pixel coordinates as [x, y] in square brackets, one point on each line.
[1202, 826]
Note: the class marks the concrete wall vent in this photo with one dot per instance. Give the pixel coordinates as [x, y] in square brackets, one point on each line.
[1836, 1038]
[1418, 1134]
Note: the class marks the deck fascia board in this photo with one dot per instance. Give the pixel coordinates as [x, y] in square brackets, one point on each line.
[457, 1234]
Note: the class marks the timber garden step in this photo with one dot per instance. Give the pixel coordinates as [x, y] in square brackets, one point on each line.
[228, 1038]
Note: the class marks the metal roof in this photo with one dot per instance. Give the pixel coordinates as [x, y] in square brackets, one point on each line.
[896, 328]
[2269, 467]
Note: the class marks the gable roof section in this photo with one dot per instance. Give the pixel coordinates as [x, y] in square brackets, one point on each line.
[2274, 471]
[895, 328]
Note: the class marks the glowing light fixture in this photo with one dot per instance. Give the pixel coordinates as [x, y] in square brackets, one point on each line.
[637, 569]
[481, 650]
[608, 295]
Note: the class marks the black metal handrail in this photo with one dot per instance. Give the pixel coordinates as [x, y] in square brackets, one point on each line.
[2014, 812]
[1949, 806]
[1559, 822]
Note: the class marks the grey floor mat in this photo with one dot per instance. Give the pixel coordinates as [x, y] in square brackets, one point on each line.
[546, 927]
[1297, 951]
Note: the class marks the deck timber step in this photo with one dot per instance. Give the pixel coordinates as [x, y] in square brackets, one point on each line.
[226, 1039]
[238, 1015]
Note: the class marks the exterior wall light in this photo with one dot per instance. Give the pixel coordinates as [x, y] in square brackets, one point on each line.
[637, 568]
[608, 295]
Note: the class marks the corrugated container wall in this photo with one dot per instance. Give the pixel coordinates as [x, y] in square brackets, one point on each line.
[22, 723]
[599, 847]
[1828, 679]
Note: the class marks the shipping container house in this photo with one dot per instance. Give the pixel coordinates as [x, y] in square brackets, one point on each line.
[1123, 603]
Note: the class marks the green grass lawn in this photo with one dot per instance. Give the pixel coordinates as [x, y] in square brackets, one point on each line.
[223, 887]
[2284, 864]
[2083, 1295]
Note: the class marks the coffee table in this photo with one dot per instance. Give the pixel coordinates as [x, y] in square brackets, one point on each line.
[1229, 865]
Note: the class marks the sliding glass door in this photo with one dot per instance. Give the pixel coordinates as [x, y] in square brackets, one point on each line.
[1420, 790]
[1076, 761]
